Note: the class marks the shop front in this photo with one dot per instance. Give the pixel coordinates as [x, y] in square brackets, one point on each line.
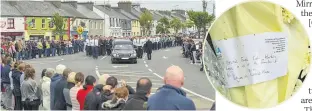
[36, 35]
[79, 33]
[12, 35]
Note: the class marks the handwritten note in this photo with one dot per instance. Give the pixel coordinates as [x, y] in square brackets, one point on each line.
[253, 58]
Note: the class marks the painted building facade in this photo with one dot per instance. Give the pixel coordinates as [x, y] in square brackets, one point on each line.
[12, 27]
[37, 28]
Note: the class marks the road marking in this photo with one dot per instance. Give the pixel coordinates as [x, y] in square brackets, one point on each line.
[146, 65]
[165, 57]
[136, 82]
[201, 96]
[97, 72]
[167, 50]
[43, 62]
[140, 73]
[129, 75]
[120, 66]
[103, 57]
[150, 70]
[118, 71]
[144, 62]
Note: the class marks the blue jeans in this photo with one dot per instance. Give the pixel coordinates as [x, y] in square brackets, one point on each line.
[70, 50]
[66, 50]
[53, 51]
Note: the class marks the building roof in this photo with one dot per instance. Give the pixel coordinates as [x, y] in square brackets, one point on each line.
[156, 16]
[129, 15]
[135, 13]
[73, 11]
[115, 10]
[105, 10]
[87, 12]
[39, 8]
[8, 10]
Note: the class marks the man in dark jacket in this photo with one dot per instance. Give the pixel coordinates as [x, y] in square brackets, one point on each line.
[16, 75]
[149, 49]
[54, 80]
[138, 100]
[93, 98]
[5, 81]
[60, 103]
[171, 96]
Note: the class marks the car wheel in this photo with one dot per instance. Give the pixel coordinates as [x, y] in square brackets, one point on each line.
[135, 61]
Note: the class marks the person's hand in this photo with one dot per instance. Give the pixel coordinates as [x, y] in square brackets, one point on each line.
[123, 83]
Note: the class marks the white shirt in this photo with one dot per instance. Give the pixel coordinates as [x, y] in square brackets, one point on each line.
[157, 39]
[96, 42]
[91, 42]
[87, 42]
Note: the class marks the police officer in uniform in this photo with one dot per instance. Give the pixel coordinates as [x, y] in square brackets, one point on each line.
[91, 45]
[87, 46]
[140, 47]
[96, 48]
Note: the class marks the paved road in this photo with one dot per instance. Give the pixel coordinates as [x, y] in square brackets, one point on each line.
[196, 84]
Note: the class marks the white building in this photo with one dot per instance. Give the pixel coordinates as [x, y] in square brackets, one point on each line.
[12, 27]
[112, 23]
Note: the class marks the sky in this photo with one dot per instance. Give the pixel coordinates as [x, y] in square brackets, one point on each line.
[163, 4]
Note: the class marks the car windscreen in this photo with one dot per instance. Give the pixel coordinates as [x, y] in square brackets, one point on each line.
[123, 47]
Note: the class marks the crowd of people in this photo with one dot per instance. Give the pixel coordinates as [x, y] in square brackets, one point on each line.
[192, 50]
[100, 46]
[64, 89]
[31, 49]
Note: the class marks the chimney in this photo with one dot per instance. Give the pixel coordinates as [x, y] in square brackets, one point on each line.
[126, 6]
[56, 3]
[72, 3]
[89, 5]
[108, 6]
[12, 3]
[136, 6]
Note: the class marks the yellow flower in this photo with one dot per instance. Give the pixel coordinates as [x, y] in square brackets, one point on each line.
[287, 16]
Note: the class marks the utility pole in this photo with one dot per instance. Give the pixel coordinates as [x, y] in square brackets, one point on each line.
[214, 8]
[204, 10]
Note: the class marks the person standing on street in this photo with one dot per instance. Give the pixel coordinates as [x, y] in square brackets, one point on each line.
[171, 96]
[138, 100]
[87, 43]
[30, 91]
[53, 47]
[16, 76]
[45, 87]
[66, 90]
[79, 78]
[54, 80]
[140, 49]
[5, 81]
[149, 49]
[96, 48]
[82, 93]
[59, 100]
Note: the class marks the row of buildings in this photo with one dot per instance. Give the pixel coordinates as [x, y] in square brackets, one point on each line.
[32, 20]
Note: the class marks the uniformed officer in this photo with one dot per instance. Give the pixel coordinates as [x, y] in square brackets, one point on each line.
[158, 43]
[91, 45]
[96, 48]
[148, 49]
[87, 46]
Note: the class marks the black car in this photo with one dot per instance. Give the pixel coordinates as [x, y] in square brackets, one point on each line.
[123, 51]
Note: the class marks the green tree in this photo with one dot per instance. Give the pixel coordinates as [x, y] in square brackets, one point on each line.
[163, 26]
[189, 24]
[200, 19]
[58, 21]
[176, 24]
[146, 20]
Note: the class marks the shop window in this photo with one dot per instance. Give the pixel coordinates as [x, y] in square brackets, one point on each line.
[43, 25]
[10, 23]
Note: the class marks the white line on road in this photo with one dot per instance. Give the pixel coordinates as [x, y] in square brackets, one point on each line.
[103, 57]
[165, 57]
[146, 65]
[150, 70]
[119, 70]
[144, 62]
[129, 75]
[136, 82]
[201, 96]
[120, 66]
